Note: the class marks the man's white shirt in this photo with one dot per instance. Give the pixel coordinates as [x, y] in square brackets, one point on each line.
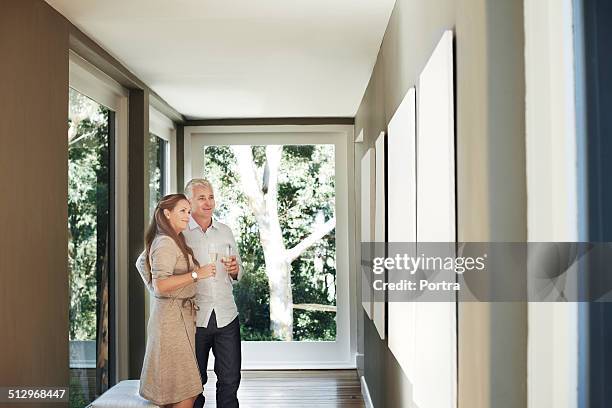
[214, 293]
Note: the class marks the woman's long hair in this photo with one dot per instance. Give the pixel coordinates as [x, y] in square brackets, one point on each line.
[161, 225]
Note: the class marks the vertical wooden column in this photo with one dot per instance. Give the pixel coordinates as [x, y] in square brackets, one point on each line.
[138, 215]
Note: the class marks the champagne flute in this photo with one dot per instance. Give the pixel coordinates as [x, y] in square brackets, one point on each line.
[227, 252]
[213, 254]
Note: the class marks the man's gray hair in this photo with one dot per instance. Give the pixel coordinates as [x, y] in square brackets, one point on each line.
[197, 182]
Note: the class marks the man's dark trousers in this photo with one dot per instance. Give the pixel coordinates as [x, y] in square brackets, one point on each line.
[225, 345]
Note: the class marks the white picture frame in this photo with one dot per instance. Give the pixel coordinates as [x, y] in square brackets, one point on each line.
[378, 306]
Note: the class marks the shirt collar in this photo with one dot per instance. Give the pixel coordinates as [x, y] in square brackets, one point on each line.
[193, 224]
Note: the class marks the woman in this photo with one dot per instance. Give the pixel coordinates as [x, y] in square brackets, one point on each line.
[170, 375]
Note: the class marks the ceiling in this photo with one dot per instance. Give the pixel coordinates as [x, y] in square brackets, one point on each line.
[242, 58]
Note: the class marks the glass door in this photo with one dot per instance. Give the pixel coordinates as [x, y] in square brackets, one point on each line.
[280, 195]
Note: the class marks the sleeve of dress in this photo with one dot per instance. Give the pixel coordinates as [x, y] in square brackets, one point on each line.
[163, 258]
[142, 270]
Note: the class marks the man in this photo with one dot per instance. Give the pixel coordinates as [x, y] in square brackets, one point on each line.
[217, 325]
[217, 322]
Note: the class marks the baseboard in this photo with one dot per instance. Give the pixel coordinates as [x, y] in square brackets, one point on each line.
[360, 364]
[365, 392]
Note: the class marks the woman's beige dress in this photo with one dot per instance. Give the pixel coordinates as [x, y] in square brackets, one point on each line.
[170, 370]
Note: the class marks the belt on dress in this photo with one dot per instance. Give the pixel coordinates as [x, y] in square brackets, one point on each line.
[190, 301]
[185, 302]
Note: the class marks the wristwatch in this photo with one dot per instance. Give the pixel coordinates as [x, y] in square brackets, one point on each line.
[194, 275]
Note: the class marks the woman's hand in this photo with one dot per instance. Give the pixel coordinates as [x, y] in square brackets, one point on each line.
[206, 271]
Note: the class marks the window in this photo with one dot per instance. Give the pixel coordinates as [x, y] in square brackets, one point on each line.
[97, 224]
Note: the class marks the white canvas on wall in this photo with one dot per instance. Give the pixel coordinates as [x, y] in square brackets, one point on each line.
[378, 307]
[367, 222]
[401, 207]
[436, 147]
[433, 341]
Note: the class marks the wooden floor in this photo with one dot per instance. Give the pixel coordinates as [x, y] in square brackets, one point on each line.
[294, 388]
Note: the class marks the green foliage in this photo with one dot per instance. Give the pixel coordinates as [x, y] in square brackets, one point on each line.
[307, 322]
[306, 195]
[252, 293]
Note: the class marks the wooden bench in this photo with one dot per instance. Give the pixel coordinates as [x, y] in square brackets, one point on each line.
[122, 395]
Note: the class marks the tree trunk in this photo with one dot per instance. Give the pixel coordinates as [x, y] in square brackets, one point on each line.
[281, 295]
[265, 209]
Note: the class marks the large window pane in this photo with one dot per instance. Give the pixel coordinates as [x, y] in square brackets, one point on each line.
[88, 246]
[280, 202]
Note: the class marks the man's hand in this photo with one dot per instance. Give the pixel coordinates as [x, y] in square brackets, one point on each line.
[232, 267]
